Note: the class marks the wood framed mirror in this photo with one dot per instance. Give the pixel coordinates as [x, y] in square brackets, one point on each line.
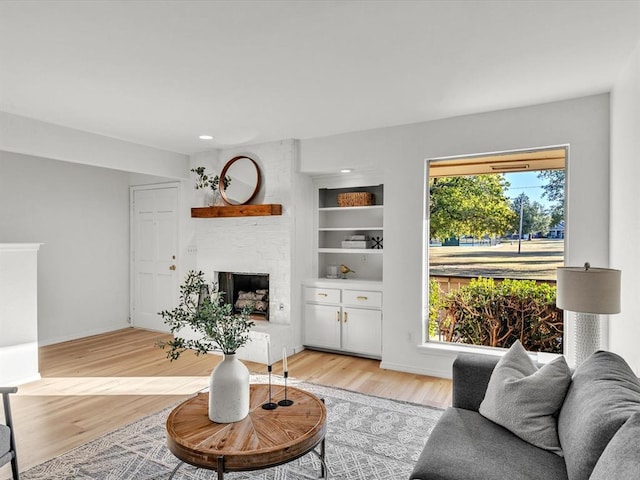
[243, 180]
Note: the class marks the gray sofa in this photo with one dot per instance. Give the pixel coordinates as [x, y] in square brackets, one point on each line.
[598, 428]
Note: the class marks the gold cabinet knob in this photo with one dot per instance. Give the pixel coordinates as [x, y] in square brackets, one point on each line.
[172, 267]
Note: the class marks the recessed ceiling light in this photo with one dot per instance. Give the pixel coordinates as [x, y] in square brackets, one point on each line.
[346, 170]
[205, 137]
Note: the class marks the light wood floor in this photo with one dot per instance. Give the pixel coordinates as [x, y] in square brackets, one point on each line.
[97, 384]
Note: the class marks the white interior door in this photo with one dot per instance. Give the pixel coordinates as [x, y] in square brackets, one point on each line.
[154, 255]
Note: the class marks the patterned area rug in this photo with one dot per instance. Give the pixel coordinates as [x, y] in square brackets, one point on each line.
[368, 438]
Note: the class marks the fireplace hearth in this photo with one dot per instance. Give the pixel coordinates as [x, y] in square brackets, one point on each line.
[246, 289]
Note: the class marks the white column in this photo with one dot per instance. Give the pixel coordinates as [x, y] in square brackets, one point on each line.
[18, 313]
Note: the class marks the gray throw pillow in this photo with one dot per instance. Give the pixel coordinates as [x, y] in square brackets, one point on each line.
[604, 393]
[621, 458]
[525, 400]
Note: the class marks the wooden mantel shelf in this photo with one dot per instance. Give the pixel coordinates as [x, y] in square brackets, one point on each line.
[237, 211]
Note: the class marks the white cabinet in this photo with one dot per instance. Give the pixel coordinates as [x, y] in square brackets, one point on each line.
[344, 319]
[337, 225]
[322, 326]
[362, 331]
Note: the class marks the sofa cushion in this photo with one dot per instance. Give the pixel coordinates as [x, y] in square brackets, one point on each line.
[621, 458]
[525, 400]
[603, 394]
[4, 444]
[4, 438]
[465, 445]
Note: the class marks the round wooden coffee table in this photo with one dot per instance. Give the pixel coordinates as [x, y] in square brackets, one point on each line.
[265, 438]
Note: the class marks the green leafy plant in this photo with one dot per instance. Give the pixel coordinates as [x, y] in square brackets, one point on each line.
[205, 181]
[435, 306]
[202, 308]
[496, 314]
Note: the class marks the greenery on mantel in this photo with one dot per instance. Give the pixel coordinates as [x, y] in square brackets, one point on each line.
[202, 308]
[205, 181]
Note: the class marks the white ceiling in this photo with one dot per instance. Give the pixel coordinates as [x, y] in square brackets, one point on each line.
[160, 73]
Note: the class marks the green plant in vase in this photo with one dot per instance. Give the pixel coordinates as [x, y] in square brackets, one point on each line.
[205, 181]
[202, 308]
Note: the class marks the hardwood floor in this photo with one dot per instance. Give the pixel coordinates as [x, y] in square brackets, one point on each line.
[97, 384]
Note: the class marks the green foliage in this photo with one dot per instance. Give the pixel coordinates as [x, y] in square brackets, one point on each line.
[497, 314]
[435, 306]
[203, 309]
[473, 205]
[554, 191]
[534, 216]
[205, 181]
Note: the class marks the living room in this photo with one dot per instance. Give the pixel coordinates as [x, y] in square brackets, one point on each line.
[68, 187]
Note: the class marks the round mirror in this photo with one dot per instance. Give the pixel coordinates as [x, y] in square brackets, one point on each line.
[239, 180]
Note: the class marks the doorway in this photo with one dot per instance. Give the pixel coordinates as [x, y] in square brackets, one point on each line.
[154, 252]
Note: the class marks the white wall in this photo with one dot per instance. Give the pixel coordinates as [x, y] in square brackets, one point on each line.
[69, 189]
[624, 329]
[32, 137]
[81, 216]
[400, 152]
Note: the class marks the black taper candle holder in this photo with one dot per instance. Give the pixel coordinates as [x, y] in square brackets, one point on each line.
[286, 402]
[270, 405]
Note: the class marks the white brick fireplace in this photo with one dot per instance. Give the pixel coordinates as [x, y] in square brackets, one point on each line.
[258, 244]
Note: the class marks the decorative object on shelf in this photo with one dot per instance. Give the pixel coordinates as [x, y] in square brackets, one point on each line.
[376, 243]
[270, 405]
[356, 241]
[286, 402]
[244, 174]
[344, 270]
[202, 309]
[332, 271]
[588, 292]
[205, 182]
[356, 199]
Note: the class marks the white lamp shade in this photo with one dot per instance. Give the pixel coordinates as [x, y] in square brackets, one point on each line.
[588, 290]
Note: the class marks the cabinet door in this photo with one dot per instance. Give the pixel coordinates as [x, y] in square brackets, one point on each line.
[322, 326]
[362, 331]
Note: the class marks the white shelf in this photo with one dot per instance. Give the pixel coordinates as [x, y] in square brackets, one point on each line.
[346, 209]
[349, 229]
[351, 250]
[336, 224]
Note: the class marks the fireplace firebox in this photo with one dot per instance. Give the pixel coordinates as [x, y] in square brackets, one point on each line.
[246, 289]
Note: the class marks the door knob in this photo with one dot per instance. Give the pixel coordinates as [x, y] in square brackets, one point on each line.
[172, 267]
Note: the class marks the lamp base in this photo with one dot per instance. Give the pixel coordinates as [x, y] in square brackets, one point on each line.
[587, 339]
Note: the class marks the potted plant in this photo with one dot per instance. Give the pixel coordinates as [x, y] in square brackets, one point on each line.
[203, 309]
[205, 181]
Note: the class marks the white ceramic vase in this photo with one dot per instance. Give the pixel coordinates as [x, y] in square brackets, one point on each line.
[229, 391]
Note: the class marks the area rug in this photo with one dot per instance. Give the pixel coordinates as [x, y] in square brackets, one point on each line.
[367, 437]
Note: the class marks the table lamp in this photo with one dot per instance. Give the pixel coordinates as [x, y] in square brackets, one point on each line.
[588, 292]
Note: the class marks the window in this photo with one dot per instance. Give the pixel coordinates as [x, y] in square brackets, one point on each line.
[495, 236]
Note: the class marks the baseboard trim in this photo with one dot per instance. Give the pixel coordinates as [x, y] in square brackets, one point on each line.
[76, 336]
[429, 372]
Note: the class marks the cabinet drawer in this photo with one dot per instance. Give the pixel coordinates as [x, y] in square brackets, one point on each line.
[362, 298]
[322, 295]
